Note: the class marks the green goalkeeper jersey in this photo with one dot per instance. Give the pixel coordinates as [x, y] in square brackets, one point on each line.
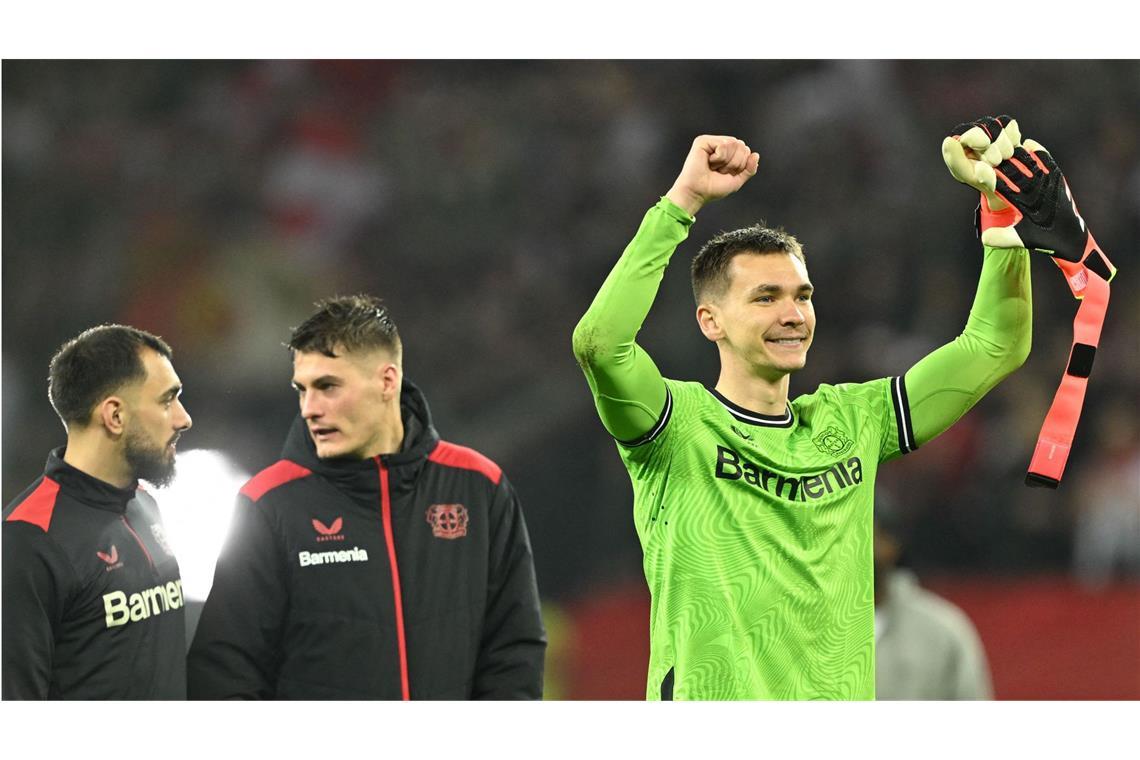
[757, 530]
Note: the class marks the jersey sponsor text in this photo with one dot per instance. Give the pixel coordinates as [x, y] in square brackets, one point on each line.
[730, 465]
[355, 554]
[122, 609]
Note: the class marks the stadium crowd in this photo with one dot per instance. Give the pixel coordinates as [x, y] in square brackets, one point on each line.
[213, 202]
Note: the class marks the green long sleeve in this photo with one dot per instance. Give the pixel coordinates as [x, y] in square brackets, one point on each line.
[627, 386]
[945, 384]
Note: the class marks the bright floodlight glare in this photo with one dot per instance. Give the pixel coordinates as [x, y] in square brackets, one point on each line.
[196, 509]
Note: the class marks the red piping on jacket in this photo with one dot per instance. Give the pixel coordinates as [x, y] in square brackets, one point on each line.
[141, 544]
[386, 514]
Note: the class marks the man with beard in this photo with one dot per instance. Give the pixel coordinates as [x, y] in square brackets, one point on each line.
[373, 560]
[92, 597]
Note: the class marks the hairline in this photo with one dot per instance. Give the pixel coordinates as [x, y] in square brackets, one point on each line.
[722, 282]
[131, 385]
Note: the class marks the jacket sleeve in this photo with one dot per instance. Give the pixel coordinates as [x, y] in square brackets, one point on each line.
[236, 651]
[36, 577]
[513, 644]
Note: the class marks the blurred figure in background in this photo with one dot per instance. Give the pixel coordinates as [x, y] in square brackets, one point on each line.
[93, 605]
[925, 647]
[1106, 542]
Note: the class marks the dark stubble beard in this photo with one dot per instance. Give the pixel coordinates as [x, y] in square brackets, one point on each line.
[148, 462]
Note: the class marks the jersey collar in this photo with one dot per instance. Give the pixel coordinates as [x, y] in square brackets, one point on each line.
[750, 417]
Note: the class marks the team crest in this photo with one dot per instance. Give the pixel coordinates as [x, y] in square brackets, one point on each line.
[159, 534]
[447, 520]
[832, 442]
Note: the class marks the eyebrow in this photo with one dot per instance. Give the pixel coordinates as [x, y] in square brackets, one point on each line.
[765, 287]
[172, 392]
[317, 381]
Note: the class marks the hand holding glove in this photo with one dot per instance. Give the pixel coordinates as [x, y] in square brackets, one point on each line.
[1026, 200]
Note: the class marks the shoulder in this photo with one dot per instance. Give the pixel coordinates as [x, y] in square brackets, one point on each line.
[35, 546]
[689, 396]
[685, 388]
[938, 616]
[273, 477]
[843, 392]
[36, 505]
[873, 397]
[452, 455]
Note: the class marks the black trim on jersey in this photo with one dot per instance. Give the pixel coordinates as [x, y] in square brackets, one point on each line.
[667, 686]
[785, 420]
[907, 442]
[666, 413]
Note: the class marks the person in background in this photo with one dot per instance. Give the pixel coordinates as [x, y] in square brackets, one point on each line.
[925, 647]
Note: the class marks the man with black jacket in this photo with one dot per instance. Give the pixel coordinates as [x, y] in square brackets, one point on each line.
[92, 596]
[373, 560]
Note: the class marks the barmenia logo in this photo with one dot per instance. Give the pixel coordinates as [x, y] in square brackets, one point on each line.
[122, 609]
[355, 554]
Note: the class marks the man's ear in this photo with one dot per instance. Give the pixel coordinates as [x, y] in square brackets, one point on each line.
[111, 413]
[390, 378]
[708, 317]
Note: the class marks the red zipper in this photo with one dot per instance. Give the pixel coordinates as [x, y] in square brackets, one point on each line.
[386, 515]
[142, 546]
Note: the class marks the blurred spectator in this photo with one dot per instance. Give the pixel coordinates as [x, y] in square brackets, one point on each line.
[213, 202]
[1106, 495]
[925, 647]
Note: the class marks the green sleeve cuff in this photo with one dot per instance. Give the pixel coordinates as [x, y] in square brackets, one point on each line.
[988, 249]
[672, 209]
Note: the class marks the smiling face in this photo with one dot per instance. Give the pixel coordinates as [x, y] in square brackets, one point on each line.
[764, 318]
[156, 419]
[346, 400]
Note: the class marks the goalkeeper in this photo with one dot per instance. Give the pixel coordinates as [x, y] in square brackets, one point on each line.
[754, 512]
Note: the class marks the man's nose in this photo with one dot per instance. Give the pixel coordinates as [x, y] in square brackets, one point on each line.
[185, 423]
[309, 407]
[792, 315]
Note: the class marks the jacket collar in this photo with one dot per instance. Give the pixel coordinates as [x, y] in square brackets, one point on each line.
[420, 439]
[87, 488]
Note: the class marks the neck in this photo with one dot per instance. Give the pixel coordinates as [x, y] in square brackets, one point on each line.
[391, 435]
[751, 391]
[96, 454]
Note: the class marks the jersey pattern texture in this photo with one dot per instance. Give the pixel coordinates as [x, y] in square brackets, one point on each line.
[757, 540]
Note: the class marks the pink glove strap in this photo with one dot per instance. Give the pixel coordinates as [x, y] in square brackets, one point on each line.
[1088, 282]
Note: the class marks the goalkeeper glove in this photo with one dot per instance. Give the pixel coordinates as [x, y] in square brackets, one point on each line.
[1026, 201]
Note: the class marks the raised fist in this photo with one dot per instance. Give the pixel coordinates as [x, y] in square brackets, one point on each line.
[715, 167]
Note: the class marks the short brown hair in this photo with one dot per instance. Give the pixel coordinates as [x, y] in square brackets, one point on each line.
[352, 323]
[95, 364]
[709, 269]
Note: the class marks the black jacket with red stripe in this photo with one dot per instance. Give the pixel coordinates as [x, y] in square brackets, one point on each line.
[92, 597]
[401, 576]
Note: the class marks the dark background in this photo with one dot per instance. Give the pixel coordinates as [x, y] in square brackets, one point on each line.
[212, 202]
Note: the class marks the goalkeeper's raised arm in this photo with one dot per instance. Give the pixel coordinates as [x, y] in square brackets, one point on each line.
[996, 340]
[627, 386]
